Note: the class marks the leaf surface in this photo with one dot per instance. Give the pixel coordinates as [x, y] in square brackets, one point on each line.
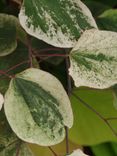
[19, 56]
[57, 22]
[37, 101]
[10, 31]
[108, 20]
[1, 101]
[88, 128]
[94, 59]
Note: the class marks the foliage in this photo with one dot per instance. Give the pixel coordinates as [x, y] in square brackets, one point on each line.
[57, 75]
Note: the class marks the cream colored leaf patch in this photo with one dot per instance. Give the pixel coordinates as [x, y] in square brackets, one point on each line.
[1, 101]
[57, 22]
[78, 152]
[94, 59]
[37, 107]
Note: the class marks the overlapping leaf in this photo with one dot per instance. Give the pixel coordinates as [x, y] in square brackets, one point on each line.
[59, 22]
[19, 56]
[108, 20]
[10, 30]
[9, 146]
[94, 59]
[37, 107]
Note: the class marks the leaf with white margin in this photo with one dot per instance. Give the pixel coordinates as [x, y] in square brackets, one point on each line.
[37, 107]
[78, 152]
[1, 101]
[94, 59]
[10, 30]
[57, 22]
[7, 34]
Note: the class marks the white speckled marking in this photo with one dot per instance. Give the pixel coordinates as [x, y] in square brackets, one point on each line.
[98, 52]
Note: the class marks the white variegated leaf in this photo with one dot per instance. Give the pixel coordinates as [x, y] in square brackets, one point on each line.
[57, 22]
[78, 152]
[1, 101]
[94, 59]
[37, 107]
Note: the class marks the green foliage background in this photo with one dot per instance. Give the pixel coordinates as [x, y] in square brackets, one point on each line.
[88, 129]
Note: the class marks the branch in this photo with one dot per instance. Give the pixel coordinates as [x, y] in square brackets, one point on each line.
[52, 151]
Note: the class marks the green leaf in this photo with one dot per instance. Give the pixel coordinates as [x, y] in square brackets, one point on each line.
[104, 149]
[107, 2]
[37, 101]
[10, 31]
[78, 152]
[94, 59]
[7, 34]
[59, 23]
[20, 55]
[9, 143]
[1, 101]
[108, 20]
[9, 147]
[88, 128]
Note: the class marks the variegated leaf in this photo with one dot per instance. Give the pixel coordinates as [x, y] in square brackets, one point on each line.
[94, 59]
[1, 101]
[10, 30]
[11, 148]
[57, 22]
[78, 152]
[7, 34]
[37, 107]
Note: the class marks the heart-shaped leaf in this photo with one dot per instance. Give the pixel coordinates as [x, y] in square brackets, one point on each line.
[59, 23]
[94, 59]
[37, 107]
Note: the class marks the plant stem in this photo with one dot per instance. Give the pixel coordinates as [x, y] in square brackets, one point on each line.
[69, 88]
[10, 69]
[18, 148]
[52, 151]
[17, 65]
[29, 49]
[4, 73]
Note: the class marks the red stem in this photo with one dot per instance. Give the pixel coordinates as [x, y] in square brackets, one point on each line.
[4, 73]
[17, 65]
